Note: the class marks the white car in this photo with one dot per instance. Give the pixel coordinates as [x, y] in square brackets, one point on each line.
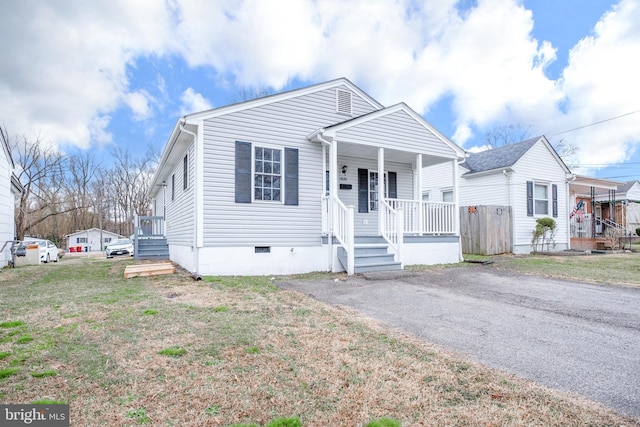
[48, 250]
[120, 247]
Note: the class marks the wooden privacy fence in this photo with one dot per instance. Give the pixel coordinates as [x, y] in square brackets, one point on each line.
[486, 230]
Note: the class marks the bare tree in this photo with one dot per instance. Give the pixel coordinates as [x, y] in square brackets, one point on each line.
[41, 171]
[129, 181]
[82, 171]
[510, 134]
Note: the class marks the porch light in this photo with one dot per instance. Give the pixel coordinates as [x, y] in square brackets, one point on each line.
[344, 169]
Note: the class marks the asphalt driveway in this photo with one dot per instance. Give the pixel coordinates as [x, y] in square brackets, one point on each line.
[566, 335]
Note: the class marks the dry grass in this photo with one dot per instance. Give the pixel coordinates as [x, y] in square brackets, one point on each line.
[622, 268]
[253, 353]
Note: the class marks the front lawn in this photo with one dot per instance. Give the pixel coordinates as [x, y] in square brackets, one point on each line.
[169, 351]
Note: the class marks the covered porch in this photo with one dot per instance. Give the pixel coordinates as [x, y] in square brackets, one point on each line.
[589, 217]
[372, 195]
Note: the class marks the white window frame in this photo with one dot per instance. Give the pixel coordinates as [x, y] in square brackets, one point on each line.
[536, 199]
[426, 196]
[373, 192]
[255, 173]
[446, 191]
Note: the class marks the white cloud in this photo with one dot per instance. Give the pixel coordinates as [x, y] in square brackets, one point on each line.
[71, 65]
[138, 102]
[193, 102]
[65, 63]
[601, 82]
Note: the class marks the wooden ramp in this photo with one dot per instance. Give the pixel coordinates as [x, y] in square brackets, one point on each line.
[148, 269]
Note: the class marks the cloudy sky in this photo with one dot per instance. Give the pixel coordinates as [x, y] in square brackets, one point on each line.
[104, 73]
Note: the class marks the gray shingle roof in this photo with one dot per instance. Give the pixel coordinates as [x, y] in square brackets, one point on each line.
[500, 157]
[625, 186]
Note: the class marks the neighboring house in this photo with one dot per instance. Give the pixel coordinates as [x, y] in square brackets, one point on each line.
[10, 189]
[619, 208]
[583, 191]
[93, 240]
[315, 179]
[528, 176]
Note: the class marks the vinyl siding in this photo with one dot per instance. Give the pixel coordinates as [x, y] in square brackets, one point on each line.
[634, 192]
[180, 220]
[7, 205]
[540, 166]
[484, 190]
[286, 123]
[437, 178]
[397, 131]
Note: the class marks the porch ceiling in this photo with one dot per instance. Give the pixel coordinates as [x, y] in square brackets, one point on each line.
[583, 184]
[390, 155]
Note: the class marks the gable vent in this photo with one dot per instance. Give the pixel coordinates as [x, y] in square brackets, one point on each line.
[343, 102]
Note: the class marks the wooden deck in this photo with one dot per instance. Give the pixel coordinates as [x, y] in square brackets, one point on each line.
[149, 269]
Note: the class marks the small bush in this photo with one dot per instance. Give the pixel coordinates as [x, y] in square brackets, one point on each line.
[637, 231]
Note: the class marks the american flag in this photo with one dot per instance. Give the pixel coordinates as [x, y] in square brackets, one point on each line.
[577, 210]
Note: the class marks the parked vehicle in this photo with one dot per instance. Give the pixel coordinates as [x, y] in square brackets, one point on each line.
[120, 247]
[48, 250]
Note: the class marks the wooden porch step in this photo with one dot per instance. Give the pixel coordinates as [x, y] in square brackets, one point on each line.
[148, 269]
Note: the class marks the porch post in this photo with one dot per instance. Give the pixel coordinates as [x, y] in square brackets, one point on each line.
[418, 194]
[380, 191]
[333, 194]
[456, 207]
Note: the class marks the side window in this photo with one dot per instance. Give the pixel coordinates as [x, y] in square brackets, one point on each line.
[425, 196]
[173, 187]
[267, 179]
[185, 172]
[541, 199]
[447, 196]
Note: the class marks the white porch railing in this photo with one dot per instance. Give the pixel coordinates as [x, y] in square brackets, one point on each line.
[338, 221]
[426, 217]
[393, 228]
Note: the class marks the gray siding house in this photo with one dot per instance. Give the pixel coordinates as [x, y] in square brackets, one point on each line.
[322, 178]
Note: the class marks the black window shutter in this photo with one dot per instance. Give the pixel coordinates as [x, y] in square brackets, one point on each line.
[554, 200]
[529, 198]
[393, 185]
[291, 176]
[243, 172]
[363, 190]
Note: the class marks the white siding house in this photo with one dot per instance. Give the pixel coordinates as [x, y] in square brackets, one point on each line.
[10, 188]
[528, 176]
[91, 240]
[298, 181]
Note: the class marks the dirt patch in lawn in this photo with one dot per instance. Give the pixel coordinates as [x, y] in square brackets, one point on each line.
[167, 350]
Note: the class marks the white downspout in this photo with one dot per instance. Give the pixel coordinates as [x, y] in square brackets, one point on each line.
[569, 207]
[332, 191]
[456, 207]
[197, 226]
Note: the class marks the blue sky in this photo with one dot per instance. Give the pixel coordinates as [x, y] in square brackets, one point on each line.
[95, 75]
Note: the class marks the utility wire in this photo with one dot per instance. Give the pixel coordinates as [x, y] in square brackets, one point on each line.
[595, 123]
